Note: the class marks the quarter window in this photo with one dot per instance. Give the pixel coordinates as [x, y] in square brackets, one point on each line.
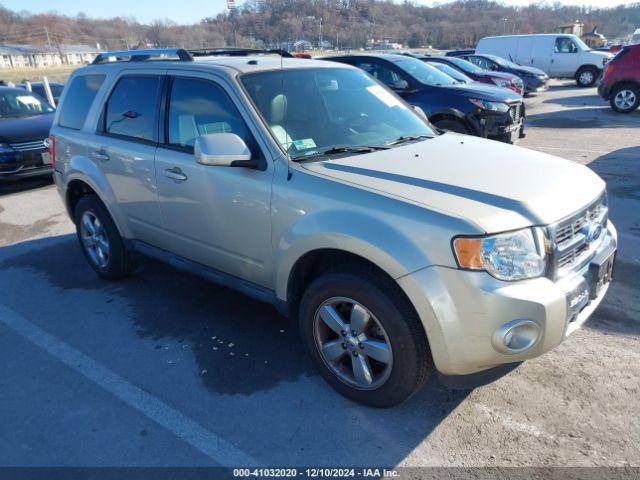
[199, 107]
[78, 100]
[132, 108]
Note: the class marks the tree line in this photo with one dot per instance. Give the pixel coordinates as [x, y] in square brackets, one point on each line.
[340, 23]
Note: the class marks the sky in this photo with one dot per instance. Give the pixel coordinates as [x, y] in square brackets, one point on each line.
[186, 11]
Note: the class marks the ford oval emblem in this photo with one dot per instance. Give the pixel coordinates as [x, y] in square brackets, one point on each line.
[593, 232]
[46, 142]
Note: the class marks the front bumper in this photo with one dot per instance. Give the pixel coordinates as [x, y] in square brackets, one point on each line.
[502, 126]
[24, 165]
[462, 310]
[535, 84]
[603, 91]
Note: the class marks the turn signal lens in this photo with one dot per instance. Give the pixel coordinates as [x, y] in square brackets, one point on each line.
[469, 252]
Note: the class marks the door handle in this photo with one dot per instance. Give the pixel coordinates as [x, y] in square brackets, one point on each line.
[100, 155]
[175, 174]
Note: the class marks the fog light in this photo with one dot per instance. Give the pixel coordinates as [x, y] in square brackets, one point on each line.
[516, 336]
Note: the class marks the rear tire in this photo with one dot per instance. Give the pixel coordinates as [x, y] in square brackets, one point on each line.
[586, 77]
[625, 98]
[451, 125]
[396, 371]
[100, 240]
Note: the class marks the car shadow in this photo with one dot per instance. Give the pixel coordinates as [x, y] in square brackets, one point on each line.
[591, 117]
[23, 185]
[620, 310]
[234, 347]
[579, 101]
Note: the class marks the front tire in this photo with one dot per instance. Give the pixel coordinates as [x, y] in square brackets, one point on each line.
[100, 240]
[625, 98]
[586, 77]
[365, 337]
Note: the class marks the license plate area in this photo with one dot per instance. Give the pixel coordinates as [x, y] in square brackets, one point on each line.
[601, 271]
[46, 158]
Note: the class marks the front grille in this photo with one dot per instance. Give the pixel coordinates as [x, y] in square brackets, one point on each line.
[575, 239]
[29, 146]
[515, 112]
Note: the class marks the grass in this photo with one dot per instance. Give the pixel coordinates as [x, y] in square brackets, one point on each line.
[18, 75]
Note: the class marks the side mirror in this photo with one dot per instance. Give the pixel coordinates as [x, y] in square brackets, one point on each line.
[400, 85]
[420, 112]
[494, 67]
[222, 150]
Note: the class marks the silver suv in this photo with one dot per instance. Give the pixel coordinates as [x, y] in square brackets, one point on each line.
[308, 185]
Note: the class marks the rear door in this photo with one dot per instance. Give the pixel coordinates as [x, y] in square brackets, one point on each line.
[541, 52]
[217, 216]
[124, 147]
[523, 54]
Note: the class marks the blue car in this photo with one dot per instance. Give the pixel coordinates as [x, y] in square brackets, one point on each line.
[473, 109]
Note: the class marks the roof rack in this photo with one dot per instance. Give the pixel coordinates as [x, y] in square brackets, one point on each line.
[236, 52]
[142, 55]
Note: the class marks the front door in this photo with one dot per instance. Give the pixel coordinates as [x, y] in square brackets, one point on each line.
[565, 58]
[217, 216]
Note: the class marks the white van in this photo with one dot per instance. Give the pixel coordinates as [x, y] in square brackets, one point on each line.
[558, 55]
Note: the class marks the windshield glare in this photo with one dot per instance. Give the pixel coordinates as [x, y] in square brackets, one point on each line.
[313, 110]
[452, 72]
[21, 104]
[465, 65]
[425, 73]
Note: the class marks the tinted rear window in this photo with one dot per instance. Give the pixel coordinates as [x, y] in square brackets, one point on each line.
[132, 108]
[76, 105]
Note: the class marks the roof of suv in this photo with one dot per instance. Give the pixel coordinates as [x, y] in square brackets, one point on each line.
[252, 63]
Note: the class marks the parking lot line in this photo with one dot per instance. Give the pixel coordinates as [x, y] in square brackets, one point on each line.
[216, 448]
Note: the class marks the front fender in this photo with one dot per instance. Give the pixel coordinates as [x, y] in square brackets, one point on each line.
[358, 233]
[84, 169]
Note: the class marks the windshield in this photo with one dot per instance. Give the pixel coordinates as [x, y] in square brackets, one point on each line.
[318, 109]
[502, 62]
[425, 73]
[452, 72]
[465, 65]
[581, 45]
[22, 104]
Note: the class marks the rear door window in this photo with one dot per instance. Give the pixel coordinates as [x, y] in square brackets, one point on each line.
[78, 100]
[132, 108]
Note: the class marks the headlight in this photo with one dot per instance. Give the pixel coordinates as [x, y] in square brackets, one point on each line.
[507, 256]
[491, 106]
[6, 148]
[501, 82]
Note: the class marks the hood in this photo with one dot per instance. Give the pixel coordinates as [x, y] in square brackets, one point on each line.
[531, 71]
[22, 129]
[483, 91]
[597, 53]
[495, 186]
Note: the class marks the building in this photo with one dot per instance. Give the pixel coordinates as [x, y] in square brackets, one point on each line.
[37, 56]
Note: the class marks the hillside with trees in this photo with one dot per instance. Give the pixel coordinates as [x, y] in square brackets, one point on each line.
[342, 23]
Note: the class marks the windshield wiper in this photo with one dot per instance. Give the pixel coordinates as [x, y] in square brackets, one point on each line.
[408, 138]
[338, 150]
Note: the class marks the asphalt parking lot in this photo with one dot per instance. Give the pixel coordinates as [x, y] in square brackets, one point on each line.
[165, 369]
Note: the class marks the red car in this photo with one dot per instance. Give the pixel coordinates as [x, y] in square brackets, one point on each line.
[620, 83]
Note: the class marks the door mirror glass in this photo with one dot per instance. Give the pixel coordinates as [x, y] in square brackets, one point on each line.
[222, 150]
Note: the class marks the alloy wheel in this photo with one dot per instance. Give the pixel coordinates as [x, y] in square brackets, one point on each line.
[625, 99]
[352, 343]
[94, 238]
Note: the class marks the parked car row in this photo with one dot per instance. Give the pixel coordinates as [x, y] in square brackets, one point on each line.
[470, 108]
[400, 250]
